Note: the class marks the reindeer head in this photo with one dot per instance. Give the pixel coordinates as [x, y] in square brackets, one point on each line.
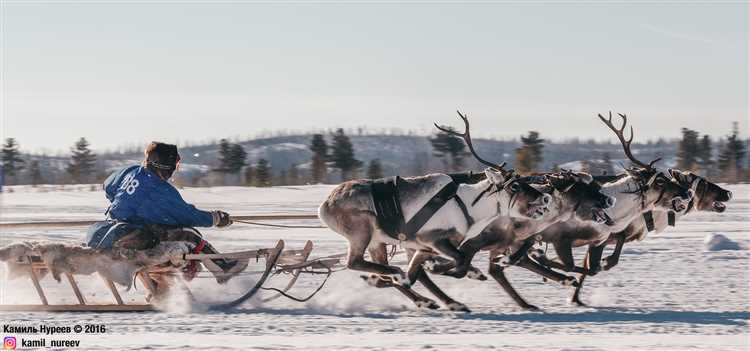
[707, 196]
[511, 191]
[579, 196]
[515, 194]
[655, 187]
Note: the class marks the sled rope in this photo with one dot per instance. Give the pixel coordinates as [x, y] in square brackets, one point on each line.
[305, 299]
[280, 225]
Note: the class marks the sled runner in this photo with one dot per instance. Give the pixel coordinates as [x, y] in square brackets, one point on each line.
[164, 274]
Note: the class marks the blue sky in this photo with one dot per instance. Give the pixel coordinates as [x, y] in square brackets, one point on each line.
[120, 73]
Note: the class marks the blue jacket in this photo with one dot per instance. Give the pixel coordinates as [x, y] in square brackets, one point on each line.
[139, 196]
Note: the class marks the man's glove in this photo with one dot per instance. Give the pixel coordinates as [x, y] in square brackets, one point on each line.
[221, 219]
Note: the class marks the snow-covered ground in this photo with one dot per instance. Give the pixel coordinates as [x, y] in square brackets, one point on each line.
[673, 291]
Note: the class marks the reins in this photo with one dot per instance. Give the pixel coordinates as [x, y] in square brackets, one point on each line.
[279, 225]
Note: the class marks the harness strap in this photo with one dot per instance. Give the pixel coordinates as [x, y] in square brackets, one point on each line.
[696, 194]
[465, 211]
[671, 218]
[431, 207]
[648, 217]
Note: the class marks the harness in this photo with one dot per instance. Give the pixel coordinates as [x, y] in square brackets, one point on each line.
[699, 191]
[648, 216]
[390, 216]
[671, 215]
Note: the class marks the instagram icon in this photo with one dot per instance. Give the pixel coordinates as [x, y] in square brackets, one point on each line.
[9, 343]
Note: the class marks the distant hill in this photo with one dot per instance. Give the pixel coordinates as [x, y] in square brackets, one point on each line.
[399, 154]
[402, 153]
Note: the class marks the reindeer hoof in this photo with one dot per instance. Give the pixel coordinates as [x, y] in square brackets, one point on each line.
[476, 275]
[399, 279]
[536, 253]
[427, 304]
[371, 280]
[569, 281]
[458, 307]
[504, 262]
[429, 265]
[594, 271]
[578, 302]
[530, 308]
[608, 263]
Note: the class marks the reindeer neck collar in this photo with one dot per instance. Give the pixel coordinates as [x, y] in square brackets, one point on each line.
[481, 197]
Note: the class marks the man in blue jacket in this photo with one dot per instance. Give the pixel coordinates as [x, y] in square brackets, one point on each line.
[146, 209]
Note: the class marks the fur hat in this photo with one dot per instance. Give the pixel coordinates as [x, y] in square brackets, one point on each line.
[161, 158]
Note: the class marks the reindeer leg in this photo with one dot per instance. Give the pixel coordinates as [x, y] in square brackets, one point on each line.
[591, 264]
[544, 261]
[446, 248]
[535, 267]
[424, 278]
[612, 260]
[522, 252]
[469, 249]
[379, 255]
[452, 304]
[496, 271]
[356, 261]
[594, 259]
[564, 251]
[576, 297]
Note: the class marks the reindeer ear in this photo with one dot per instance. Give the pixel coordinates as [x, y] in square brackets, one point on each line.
[494, 176]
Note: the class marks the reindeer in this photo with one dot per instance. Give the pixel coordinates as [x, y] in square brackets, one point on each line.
[350, 211]
[707, 197]
[640, 190]
[574, 196]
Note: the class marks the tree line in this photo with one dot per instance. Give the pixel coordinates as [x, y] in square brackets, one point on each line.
[333, 159]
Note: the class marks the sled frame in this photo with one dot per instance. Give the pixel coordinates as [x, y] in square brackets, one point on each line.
[35, 265]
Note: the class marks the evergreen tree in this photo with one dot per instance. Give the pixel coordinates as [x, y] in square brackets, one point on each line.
[12, 161]
[688, 150]
[342, 155]
[262, 173]
[236, 159]
[730, 159]
[319, 149]
[35, 173]
[375, 169]
[449, 148]
[705, 155]
[225, 155]
[529, 155]
[249, 175]
[82, 161]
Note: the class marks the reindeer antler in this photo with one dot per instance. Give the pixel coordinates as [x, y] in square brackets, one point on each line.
[620, 132]
[467, 138]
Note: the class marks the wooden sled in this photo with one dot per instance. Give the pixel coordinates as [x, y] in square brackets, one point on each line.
[271, 256]
[297, 263]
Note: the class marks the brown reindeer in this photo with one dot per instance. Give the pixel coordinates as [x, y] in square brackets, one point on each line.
[642, 189]
[350, 211]
[575, 198]
[707, 197]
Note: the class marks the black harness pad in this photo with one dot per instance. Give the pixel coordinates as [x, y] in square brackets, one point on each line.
[648, 217]
[390, 216]
[388, 206]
